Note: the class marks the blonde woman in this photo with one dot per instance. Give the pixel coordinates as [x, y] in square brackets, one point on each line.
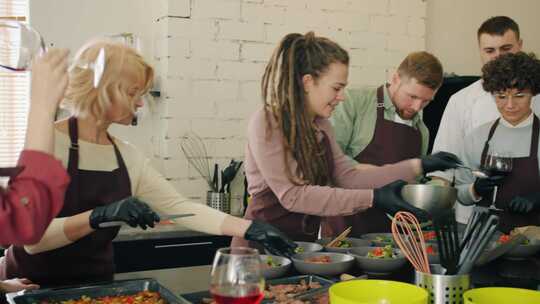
[111, 181]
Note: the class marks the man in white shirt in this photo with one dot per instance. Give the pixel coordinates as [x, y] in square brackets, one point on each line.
[473, 106]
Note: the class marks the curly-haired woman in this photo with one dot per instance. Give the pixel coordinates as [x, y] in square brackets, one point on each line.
[513, 79]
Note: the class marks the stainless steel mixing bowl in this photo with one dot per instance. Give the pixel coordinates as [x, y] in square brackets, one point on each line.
[431, 198]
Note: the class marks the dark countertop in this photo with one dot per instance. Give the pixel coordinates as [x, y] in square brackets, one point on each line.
[498, 273]
[168, 231]
[518, 274]
[165, 246]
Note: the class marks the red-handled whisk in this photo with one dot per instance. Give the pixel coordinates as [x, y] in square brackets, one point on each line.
[410, 239]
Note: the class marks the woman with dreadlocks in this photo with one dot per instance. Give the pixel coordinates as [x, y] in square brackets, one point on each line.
[296, 171]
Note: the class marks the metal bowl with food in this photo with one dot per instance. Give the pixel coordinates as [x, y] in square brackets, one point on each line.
[379, 239]
[344, 245]
[305, 247]
[322, 263]
[274, 266]
[496, 248]
[378, 260]
[429, 197]
[524, 249]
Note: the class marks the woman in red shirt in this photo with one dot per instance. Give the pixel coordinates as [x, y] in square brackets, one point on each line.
[35, 193]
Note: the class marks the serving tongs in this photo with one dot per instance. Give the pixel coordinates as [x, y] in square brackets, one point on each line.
[167, 217]
[339, 238]
[479, 230]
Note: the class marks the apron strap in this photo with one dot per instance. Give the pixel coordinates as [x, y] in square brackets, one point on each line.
[11, 171]
[486, 144]
[121, 164]
[380, 103]
[534, 138]
[73, 162]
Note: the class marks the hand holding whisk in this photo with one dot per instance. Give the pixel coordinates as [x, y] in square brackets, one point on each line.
[410, 239]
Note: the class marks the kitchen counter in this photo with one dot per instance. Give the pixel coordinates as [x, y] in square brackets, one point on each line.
[170, 248]
[487, 276]
[163, 247]
[161, 231]
[499, 273]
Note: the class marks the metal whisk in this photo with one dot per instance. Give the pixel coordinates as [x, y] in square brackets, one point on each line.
[196, 154]
[410, 239]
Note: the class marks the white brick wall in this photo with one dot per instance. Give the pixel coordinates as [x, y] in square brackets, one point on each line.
[208, 49]
[241, 30]
[212, 59]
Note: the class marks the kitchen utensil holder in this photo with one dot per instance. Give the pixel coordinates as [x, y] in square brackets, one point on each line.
[219, 200]
[443, 289]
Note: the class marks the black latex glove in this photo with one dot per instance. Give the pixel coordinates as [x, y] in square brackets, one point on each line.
[439, 161]
[484, 186]
[130, 210]
[271, 238]
[525, 203]
[388, 199]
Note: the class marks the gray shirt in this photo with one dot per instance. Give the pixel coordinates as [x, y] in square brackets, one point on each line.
[514, 141]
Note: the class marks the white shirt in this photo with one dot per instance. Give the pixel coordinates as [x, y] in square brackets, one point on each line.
[147, 184]
[400, 120]
[466, 110]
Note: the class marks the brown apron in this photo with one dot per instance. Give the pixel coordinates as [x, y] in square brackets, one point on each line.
[265, 206]
[11, 172]
[89, 259]
[522, 180]
[392, 142]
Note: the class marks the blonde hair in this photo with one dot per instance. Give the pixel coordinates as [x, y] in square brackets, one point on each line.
[123, 67]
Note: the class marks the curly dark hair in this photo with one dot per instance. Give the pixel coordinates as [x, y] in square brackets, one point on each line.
[512, 71]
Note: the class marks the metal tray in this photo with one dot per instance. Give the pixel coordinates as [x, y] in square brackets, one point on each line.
[115, 288]
[196, 297]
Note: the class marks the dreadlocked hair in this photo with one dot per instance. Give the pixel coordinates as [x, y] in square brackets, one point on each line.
[284, 98]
